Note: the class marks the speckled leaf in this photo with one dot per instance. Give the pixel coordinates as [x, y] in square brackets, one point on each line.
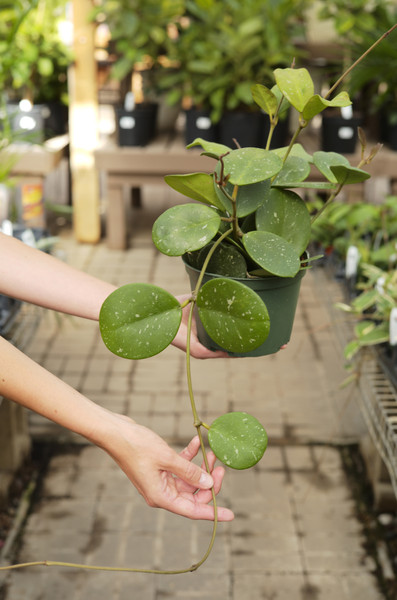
[227, 261]
[185, 228]
[272, 252]
[250, 165]
[233, 315]
[238, 440]
[284, 213]
[296, 150]
[198, 186]
[139, 320]
[325, 160]
[295, 169]
[249, 197]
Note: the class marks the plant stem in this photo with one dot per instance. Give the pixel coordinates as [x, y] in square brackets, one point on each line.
[328, 202]
[346, 73]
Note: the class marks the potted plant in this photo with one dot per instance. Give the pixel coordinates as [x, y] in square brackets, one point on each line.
[245, 225]
[374, 314]
[223, 49]
[140, 42]
[35, 64]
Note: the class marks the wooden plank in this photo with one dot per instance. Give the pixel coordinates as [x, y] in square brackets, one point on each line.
[83, 126]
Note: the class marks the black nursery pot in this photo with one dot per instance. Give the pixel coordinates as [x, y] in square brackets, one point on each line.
[243, 126]
[339, 134]
[136, 127]
[280, 294]
[199, 124]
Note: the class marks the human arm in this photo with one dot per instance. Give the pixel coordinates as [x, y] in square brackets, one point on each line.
[39, 278]
[164, 478]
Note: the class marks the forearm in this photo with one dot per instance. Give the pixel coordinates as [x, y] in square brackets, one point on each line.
[27, 383]
[38, 278]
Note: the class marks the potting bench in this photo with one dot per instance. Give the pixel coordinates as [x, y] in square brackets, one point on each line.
[131, 167]
[127, 168]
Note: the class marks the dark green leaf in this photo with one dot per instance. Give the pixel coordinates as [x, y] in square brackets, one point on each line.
[284, 213]
[249, 197]
[185, 228]
[227, 261]
[198, 186]
[139, 320]
[233, 315]
[272, 252]
[238, 440]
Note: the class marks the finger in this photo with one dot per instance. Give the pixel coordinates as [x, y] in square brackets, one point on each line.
[188, 471]
[205, 496]
[199, 511]
[191, 449]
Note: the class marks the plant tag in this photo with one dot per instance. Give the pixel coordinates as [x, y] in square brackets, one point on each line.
[129, 101]
[127, 122]
[380, 285]
[28, 238]
[7, 227]
[393, 327]
[345, 133]
[203, 123]
[352, 260]
[347, 112]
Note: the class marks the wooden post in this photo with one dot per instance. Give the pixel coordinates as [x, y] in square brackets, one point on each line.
[83, 124]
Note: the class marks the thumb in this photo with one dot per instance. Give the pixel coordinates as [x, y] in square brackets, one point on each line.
[191, 473]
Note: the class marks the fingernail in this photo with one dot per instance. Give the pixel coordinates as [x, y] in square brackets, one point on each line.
[206, 480]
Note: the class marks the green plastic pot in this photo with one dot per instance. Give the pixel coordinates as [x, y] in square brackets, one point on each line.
[280, 294]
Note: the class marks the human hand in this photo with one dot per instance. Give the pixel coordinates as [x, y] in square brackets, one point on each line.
[164, 478]
[197, 350]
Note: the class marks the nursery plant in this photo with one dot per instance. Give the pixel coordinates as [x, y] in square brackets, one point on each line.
[244, 222]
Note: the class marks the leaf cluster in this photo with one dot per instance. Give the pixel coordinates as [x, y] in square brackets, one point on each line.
[371, 308]
[34, 61]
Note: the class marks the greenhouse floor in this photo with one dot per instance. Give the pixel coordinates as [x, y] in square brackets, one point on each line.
[297, 533]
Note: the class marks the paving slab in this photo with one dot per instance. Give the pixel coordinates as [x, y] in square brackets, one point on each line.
[296, 535]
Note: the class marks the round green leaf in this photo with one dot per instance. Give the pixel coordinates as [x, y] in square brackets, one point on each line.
[249, 197]
[250, 165]
[238, 440]
[284, 213]
[272, 252]
[233, 315]
[295, 169]
[227, 261]
[185, 228]
[139, 320]
[198, 186]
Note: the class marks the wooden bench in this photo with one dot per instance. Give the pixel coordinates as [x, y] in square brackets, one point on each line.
[133, 167]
